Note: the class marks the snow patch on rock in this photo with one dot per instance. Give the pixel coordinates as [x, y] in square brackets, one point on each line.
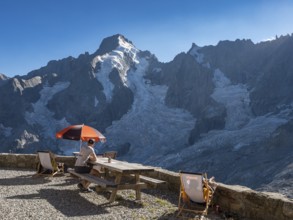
[41, 114]
[149, 124]
[25, 139]
[235, 98]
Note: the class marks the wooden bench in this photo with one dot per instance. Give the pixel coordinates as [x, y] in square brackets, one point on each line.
[94, 179]
[154, 183]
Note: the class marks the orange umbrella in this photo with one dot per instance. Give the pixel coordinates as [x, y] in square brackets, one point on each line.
[80, 132]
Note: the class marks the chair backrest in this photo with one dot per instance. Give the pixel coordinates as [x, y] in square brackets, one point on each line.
[111, 154]
[45, 160]
[192, 184]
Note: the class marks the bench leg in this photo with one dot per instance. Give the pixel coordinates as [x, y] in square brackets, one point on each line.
[114, 192]
[137, 190]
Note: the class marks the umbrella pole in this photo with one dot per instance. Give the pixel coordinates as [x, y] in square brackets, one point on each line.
[80, 145]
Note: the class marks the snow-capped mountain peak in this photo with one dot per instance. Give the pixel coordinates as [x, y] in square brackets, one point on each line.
[121, 59]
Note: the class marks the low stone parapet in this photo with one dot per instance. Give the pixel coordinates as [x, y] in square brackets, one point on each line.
[29, 161]
[252, 204]
[18, 160]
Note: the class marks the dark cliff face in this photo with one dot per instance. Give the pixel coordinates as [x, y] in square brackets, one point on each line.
[266, 71]
[232, 57]
[273, 89]
[265, 67]
[109, 44]
[189, 84]
[80, 101]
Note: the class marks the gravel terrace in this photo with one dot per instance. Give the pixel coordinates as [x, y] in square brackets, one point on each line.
[25, 197]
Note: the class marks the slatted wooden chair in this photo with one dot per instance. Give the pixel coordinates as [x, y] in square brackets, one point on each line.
[47, 164]
[195, 194]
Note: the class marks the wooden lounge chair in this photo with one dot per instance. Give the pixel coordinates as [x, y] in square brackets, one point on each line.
[195, 194]
[47, 164]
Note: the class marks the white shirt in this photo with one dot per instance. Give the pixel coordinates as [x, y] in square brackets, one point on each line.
[85, 152]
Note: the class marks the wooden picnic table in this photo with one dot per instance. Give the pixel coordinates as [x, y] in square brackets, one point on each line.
[123, 168]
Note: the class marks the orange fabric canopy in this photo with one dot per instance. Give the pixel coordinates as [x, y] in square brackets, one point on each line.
[80, 132]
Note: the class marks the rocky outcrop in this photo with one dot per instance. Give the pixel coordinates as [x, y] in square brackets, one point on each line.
[3, 78]
[265, 67]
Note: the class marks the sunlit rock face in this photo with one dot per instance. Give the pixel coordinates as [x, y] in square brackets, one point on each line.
[225, 109]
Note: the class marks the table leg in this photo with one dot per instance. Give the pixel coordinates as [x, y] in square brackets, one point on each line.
[137, 190]
[114, 192]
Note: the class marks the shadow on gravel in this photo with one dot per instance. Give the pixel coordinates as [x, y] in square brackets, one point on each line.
[23, 180]
[69, 203]
[67, 182]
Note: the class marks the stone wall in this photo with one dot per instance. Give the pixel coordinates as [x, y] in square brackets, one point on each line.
[252, 204]
[242, 201]
[29, 160]
[18, 160]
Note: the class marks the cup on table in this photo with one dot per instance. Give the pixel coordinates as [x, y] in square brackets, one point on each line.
[109, 159]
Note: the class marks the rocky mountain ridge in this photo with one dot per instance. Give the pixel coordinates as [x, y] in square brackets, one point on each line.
[224, 109]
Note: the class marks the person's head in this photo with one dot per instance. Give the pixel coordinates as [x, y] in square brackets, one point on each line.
[91, 142]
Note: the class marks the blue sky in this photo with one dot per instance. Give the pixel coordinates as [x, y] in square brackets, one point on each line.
[33, 32]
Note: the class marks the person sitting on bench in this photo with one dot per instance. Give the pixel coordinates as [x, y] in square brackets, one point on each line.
[87, 153]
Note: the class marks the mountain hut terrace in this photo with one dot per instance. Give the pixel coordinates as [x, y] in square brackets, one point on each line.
[25, 197]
